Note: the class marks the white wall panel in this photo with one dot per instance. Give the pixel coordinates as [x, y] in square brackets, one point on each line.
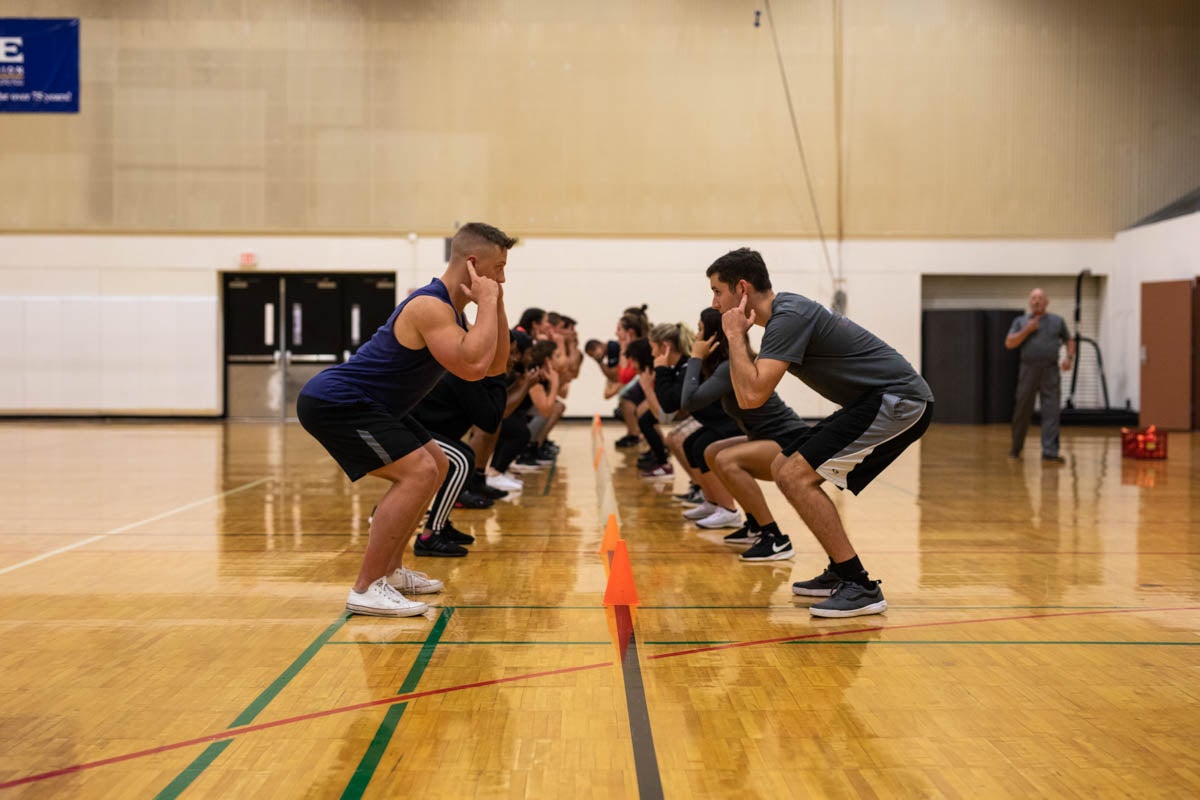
[13, 375]
[158, 329]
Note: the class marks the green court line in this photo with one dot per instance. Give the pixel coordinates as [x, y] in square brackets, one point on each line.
[192, 771]
[549, 477]
[446, 644]
[383, 734]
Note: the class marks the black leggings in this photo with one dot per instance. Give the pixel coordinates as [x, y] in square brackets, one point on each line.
[462, 466]
[514, 437]
[646, 423]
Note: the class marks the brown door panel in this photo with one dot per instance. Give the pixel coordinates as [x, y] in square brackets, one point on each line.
[1166, 354]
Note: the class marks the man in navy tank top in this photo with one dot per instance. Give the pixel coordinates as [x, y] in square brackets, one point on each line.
[361, 411]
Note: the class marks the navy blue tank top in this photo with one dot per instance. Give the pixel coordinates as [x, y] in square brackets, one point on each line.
[383, 370]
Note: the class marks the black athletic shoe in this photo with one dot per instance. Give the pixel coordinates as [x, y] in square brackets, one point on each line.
[742, 536]
[688, 494]
[469, 499]
[647, 460]
[630, 440]
[490, 493]
[770, 547]
[528, 461]
[546, 454]
[439, 546]
[455, 536]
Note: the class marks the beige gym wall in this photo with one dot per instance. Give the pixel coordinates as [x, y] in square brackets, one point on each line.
[959, 118]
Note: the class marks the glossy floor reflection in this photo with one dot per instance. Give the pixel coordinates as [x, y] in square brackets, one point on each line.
[171, 625]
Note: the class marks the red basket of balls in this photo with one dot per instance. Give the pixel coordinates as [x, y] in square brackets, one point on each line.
[1148, 443]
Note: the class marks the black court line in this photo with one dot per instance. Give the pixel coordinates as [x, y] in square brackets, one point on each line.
[645, 758]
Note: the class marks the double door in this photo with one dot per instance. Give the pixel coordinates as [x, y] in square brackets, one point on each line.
[283, 328]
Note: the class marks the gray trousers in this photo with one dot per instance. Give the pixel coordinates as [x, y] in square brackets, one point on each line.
[1035, 379]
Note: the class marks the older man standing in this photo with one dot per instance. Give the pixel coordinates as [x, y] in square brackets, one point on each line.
[1039, 336]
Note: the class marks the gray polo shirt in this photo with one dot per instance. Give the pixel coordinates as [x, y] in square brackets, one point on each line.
[839, 359]
[1041, 347]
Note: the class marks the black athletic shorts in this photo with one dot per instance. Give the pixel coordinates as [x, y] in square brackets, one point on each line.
[361, 437]
[781, 435]
[854, 444]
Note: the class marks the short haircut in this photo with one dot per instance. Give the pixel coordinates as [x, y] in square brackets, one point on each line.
[638, 351]
[742, 264]
[554, 318]
[592, 344]
[567, 322]
[473, 234]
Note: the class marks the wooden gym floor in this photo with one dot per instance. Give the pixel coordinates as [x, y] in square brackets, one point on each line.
[171, 625]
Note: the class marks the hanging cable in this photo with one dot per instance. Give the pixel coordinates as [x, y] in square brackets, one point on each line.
[812, 197]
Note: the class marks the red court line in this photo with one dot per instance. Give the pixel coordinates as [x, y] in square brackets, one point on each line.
[962, 552]
[387, 701]
[232, 732]
[941, 624]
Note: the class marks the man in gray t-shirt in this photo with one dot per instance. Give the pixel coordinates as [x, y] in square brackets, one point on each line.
[885, 407]
[1039, 336]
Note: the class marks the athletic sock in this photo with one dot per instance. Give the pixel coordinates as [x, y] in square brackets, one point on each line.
[853, 572]
[751, 522]
[771, 529]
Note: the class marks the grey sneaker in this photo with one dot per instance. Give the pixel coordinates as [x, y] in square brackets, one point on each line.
[820, 586]
[851, 600]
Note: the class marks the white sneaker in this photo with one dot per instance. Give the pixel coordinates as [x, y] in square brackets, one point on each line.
[701, 511]
[412, 582]
[381, 600]
[721, 518]
[504, 482]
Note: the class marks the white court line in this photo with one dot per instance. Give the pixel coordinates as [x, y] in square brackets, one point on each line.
[131, 526]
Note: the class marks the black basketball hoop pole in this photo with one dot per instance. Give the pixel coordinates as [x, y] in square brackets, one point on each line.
[1079, 340]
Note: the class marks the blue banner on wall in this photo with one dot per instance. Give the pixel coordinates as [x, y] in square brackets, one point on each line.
[39, 65]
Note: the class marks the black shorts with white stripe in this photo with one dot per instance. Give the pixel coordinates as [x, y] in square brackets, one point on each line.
[856, 443]
[361, 437]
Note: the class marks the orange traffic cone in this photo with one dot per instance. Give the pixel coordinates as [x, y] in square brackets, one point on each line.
[612, 534]
[621, 590]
